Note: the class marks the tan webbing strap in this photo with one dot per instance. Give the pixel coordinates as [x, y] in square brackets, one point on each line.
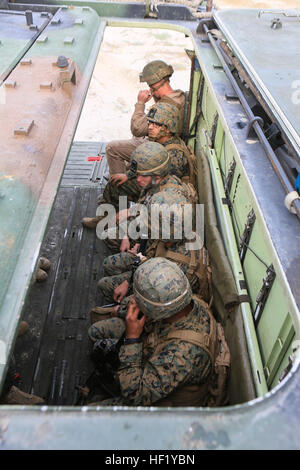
[189, 261]
[203, 340]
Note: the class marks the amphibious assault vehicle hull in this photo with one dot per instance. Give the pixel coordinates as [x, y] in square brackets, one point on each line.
[246, 135]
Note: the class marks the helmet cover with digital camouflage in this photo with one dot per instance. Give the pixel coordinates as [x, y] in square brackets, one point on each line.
[150, 159]
[155, 71]
[165, 114]
[166, 215]
[161, 289]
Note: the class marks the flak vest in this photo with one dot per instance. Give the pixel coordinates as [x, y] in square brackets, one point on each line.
[214, 392]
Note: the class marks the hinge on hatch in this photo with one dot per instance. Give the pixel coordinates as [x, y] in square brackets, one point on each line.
[246, 235]
[264, 293]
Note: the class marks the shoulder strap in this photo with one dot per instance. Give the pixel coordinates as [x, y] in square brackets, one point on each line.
[190, 157]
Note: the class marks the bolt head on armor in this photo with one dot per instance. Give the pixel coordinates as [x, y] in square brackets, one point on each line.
[151, 158]
[155, 71]
[161, 289]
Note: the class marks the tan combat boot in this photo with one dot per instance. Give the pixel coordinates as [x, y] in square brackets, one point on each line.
[44, 264]
[16, 397]
[23, 327]
[101, 313]
[41, 275]
[90, 222]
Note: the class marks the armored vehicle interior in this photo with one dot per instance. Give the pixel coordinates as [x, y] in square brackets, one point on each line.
[248, 161]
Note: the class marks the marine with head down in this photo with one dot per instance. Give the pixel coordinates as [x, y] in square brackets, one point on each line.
[170, 341]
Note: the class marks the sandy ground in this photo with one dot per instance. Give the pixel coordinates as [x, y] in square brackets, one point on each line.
[115, 82]
[123, 54]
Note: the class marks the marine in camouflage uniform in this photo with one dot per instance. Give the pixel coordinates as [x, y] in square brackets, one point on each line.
[152, 159]
[168, 117]
[149, 160]
[194, 263]
[168, 355]
[157, 76]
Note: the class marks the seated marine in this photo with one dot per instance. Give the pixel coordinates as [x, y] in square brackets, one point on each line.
[168, 346]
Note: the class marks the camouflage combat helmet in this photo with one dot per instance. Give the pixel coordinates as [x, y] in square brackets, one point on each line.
[149, 159]
[155, 71]
[168, 225]
[160, 288]
[165, 114]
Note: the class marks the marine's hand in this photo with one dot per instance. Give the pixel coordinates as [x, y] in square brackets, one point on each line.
[134, 250]
[121, 291]
[144, 96]
[134, 325]
[118, 178]
[125, 245]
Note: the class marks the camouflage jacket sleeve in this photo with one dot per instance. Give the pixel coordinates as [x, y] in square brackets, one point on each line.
[139, 124]
[178, 363]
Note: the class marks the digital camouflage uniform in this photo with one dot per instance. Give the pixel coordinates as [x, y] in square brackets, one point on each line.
[118, 267]
[157, 154]
[169, 367]
[167, 114]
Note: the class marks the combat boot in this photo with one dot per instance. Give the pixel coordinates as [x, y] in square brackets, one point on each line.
[23, 327]
[15, 396]
[101, 313]
[90, 222]
[44, 264]
[41, 275]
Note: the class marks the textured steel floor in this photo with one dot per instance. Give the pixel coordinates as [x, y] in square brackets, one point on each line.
[52, 357]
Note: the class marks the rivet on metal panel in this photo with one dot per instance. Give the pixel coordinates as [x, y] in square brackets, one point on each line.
[69, 40]
[79, 21]
[62, 61]
[46, 85]
[26, 62]
[24, 127]
[10, 84]
[42, 39]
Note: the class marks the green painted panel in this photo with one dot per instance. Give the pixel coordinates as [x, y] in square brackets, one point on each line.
[254, 269]
[15, 38]
[282, 343]
[272, 320]
[16, 208]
